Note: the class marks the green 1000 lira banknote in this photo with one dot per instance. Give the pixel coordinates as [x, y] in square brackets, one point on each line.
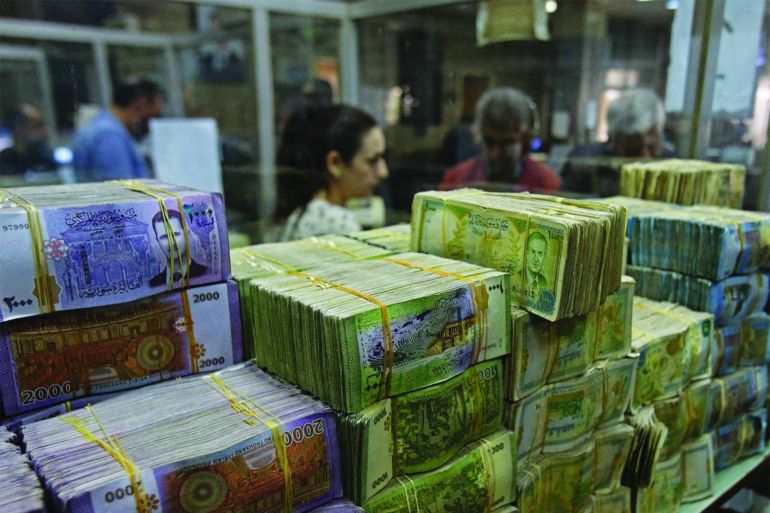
[564, 256]
[355, 333]
[545, 352]
[613, 444]
[697, 469]
[557, 483]
[562, 415]
[665, 494]
[481, 478]
[418, 431]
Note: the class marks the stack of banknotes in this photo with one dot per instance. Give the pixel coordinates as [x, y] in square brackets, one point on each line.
[743, 437]
[90, 245]
[741, 344]
[353, 334]
[285, 257]
[562, 415]
[686, 182]
[729, 300]
[396, 238]
[419, 431]
[708, 242]
[564, 256]
[232, 440]
[481, 477]
[49, 359]
[545, 352]
[20, 490]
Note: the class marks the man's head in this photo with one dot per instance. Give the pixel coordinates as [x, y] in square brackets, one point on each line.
[536, 248]
[139, 101]
[27, 126]
[161, 235]
[635, 124]
[504, 120]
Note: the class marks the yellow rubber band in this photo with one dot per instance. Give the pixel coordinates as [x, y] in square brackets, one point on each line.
[388, 362]
[113, 446]
[246, 406]
[43, 281]
[157, 193]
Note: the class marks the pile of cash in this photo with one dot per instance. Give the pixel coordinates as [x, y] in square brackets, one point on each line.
[418, 431]
[565, 256]
[709, 242]
[231, 440]
[564, 414]
[20, 490]
[50, 359]
[90, 245]
[355, 333]
[729, 300]
[557, 483]
[481, 477]
[686, 182]
[545, 352]
[741, 344]
[740, 438]
[285, 257]
[396, 238]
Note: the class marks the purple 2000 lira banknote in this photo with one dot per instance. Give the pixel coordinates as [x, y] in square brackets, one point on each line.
[88, 245]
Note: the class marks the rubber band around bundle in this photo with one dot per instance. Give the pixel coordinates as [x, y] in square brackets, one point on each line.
[491, 477]
[406, 489]
[190, 332]
[388, 359]
[156, 193]
[113, 447]
[43, 281]
[243, 405]
[477, 291]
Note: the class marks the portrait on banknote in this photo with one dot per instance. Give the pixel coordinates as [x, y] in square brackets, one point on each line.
[174, 248]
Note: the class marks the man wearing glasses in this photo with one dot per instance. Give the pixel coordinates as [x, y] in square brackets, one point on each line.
[505, 120]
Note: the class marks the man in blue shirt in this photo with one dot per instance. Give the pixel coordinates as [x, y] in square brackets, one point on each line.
[104, 148]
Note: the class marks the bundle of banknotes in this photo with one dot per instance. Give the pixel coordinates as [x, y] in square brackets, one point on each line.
[740, 438]
[698, 469]
[20, 490]
[355, 333]
[565, 256]
[50, 359]
[729, 300]
[285, 257]
[557, 483]
[88, 245]
[420, 430]
[665, 357]
[545, 352]
[480, 478]
[562, 415]
[742, 343]
[686, 182]
[16, 422]
[612, 447]
[233, 440]
[396, 238]
[664, 495]
[704, 241]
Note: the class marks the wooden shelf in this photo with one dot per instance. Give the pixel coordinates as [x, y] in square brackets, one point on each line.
[726, 480]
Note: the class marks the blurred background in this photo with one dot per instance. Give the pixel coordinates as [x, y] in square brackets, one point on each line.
[418, 66]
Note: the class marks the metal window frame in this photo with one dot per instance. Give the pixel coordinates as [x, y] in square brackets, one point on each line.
[36, 55]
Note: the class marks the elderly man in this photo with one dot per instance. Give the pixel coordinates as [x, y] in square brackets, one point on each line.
[505, 119]
[104, 149]
[635, 129]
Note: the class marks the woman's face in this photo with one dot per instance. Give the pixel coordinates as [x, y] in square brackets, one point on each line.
[366, 169]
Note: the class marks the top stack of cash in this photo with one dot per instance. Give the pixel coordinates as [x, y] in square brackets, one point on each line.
[686, 182]
[396, 238]
[20, 490]
[87, 245]
[708, 242]
[565, 257]
[235, 440]
[358, 332]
